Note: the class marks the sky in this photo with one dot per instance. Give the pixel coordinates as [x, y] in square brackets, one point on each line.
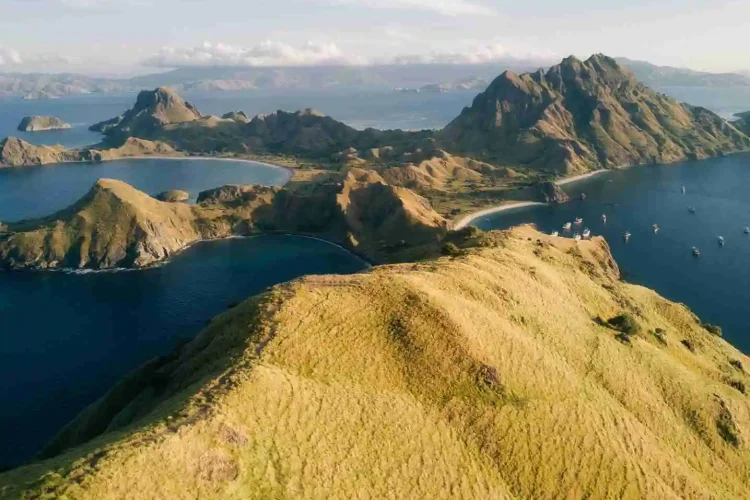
[141, 36]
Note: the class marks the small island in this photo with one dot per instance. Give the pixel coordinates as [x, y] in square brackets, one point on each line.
[41, 124]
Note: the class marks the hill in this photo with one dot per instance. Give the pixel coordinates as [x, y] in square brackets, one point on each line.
[669, 76]
[117, 226]
[41, 123]
[487, 375]
[582, 116]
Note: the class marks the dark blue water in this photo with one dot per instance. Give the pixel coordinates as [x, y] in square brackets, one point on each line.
[27, 192]
[65, 339]
[715, 286]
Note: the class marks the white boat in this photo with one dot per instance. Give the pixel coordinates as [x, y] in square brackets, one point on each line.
[720, 239]
[604, 218]
[555, 233]
[583, 196]
[586, 234]
[656, 228]
[747, 230]
[683, 189]
[696, 252]
[577, 237]
[579, 220]
[626, 236]
[567, 226]
[691, 210]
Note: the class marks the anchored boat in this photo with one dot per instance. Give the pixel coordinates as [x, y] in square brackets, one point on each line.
[567, 226]
[586, 234]
[656, 228]
[720, 239]
[696, 252]
[626, 236]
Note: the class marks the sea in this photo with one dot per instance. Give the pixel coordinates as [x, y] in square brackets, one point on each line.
[66, 338]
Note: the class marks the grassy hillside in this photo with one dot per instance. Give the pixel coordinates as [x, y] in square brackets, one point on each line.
[490, 374]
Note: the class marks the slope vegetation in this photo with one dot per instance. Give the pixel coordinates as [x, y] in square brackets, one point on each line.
[479, 376]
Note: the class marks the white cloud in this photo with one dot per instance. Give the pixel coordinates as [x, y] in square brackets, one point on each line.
[102, 4]
[275, 53]
[267, 53]
[474, 54]
[445, 7]
[9, 56]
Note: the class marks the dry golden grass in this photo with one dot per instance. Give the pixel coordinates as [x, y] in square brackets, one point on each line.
[480, 376]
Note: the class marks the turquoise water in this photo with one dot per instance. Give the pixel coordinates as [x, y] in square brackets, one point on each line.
[38, 191]
[716, 286]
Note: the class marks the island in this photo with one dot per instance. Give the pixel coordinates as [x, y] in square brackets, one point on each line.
[500, 364]
[41, 123]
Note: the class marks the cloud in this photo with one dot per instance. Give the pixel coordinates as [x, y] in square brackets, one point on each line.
[103, 4]
[274, 53]
[476, 54]
[267, 53]
[445, 7]
[9, 56]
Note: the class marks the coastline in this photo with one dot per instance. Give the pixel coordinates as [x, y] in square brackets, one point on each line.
[575, 178]
[288, 170]
[466, 220]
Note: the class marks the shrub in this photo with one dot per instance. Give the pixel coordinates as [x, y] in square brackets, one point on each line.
[625, 323]
[451, 249]
[712, 329]
[737, 384]
[737, 364]
[688, 344]
[624, 338]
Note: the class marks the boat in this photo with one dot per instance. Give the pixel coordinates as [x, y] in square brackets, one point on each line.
[691, 210]
[696, 252]
[579, 220]
[626, 236]
[656, 228]
[604, 218]
[577, 237]
[586, 234]
[583, 196]
[747, 230]
[567, 226]
[683, 189]
[554, 233]
[720, 239]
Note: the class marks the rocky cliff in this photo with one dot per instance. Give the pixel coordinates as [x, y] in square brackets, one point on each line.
[15, 152]
[152, 110]
[580, 116]
[41, 123]
[492, 374]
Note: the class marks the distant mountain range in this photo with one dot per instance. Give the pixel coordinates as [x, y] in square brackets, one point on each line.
[410, 77]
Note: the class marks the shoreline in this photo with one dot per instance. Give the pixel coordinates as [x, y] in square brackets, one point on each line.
[575, 178]
[467, 219]
[288, 170]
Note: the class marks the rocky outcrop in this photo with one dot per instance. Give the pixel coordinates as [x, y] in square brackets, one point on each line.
[582, 116]
[15, 152]
[42, 123]
[550, 192]
[153, 109]
[238, 116]
[173, 196]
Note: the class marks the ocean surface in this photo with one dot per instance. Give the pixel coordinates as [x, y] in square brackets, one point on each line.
[716, 285]
[41, 190]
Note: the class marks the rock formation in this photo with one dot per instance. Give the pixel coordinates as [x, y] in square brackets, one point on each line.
[42, 123]
[582, 116]
[173, 196]
[15, 152]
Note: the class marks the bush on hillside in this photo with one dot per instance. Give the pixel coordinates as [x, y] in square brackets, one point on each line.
[712, 329]
[625, 323]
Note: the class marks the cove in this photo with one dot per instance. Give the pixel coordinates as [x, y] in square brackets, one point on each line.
[716, 286]
[37, 191]
[67, 338]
